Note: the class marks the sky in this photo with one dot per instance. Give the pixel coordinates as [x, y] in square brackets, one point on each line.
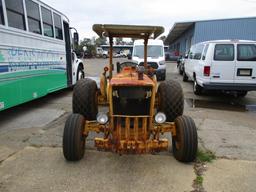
[84, 13]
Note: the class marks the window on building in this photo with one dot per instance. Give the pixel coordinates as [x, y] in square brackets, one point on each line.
[205, 51]
[58, 26]
[224, 52]
[15, 14]
[198, 51]
[47, 22]
[1, 14]
[246, 52]
[34, 24]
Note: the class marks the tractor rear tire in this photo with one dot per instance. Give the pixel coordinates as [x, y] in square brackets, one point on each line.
[184, 144]
[170, 99]
[85, 101]
[73, 139]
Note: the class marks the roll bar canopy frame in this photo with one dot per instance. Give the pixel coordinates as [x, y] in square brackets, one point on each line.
[127, 31]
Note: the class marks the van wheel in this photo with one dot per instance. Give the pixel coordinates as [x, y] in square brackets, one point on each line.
[184, 143]
[170, 99]
[180, 70]
[185, 77]
[73, 139]
[197, 89]
[85, 100]
[163, 77]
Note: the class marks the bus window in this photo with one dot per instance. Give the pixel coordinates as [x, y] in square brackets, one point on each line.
[58, 26]
[33, 17]
[1, 14]
[15, 14]
[47, 22]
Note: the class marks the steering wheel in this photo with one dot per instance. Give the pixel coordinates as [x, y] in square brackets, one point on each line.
[120, 66]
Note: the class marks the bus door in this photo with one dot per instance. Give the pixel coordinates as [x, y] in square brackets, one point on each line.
[68, 53]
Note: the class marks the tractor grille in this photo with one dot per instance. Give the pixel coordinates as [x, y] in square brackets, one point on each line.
[131, 101]
[131, 127]
[152, 64]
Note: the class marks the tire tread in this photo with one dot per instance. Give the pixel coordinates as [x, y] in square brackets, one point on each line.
[172, 99]
[187, 130]
[84, 101]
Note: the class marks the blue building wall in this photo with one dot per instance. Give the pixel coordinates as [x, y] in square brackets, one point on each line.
[243, 28]
[225, 29]
[186, 36]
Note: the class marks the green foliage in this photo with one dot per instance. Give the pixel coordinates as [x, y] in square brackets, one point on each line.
[91, 44]
[199, 180]
[205, 156]
[86, 42]
[101, 41]
[119, 41]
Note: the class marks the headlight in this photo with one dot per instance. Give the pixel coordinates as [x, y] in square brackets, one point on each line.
[102, 118]
[161, 62]
[160, 117]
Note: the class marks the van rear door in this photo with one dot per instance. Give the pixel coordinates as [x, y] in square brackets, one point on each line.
[245, 70]
[223, 63]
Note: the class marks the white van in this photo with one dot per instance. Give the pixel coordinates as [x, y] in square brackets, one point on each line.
[101, 53]
[156, 56]
[228, 65]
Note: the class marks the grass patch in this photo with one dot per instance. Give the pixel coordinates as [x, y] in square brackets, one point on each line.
[199, 180]
[205, 156]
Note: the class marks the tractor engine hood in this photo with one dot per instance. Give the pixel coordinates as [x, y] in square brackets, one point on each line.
[130, 79]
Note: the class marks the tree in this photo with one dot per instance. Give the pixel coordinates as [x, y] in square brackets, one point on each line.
[101, 41]
[119, 41]
[86, 42]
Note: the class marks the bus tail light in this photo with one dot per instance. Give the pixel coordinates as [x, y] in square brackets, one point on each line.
[207, 70]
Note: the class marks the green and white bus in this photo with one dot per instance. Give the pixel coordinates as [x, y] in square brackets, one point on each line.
[36, 56]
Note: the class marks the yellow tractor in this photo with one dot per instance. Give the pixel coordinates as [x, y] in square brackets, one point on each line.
[139, 110]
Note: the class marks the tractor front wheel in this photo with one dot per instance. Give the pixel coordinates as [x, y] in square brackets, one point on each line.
[184, 143]
[73, 138]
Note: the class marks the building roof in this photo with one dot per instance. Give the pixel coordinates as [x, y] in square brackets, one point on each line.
[177, 30]
[180, 27]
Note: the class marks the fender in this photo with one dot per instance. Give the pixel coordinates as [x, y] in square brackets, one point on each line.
[75, 65]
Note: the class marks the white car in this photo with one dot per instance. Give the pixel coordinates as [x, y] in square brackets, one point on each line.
[156, 56]
[228, 65]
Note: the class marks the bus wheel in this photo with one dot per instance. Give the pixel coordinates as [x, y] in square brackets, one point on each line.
[85, 99]
[73, 139]
[80, 73]
[170, 99]
[184, 143]
[241, 93]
